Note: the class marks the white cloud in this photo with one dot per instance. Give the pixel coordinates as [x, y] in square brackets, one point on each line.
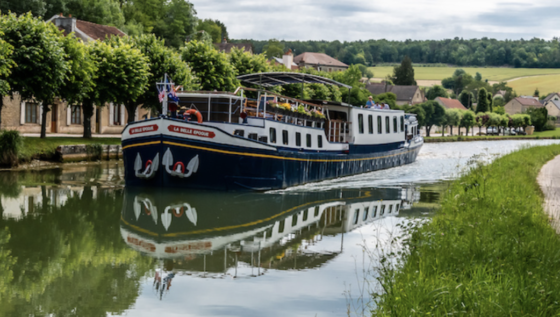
[395, 20]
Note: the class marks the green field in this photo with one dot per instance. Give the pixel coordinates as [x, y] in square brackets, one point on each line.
[490, 73]
[545, 84]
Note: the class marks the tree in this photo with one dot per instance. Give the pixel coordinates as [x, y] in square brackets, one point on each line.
[40, 59]
[210, 27]
[212, 68]
[273, 48]
[452, 118]
[247, 63]
[122, 77]
[404, 74]
[436, 91]
[478, 77]
[82, 73]
[482, 105]
[434, 113]
[490, 101]
[468, 120]
[6, 63]
[105, 12]
[458, 81]
[466, 98]
[539, 117]
[536, 93]
[161, 60]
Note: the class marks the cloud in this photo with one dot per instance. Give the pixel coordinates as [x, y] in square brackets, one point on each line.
[377, 19]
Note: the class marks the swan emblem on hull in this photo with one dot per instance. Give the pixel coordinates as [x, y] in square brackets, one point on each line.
[149, 170]
[178, 169]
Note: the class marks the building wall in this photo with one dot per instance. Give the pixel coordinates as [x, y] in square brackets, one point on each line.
[13, 118]
[513, 107]
[552, 109]
[324, 68]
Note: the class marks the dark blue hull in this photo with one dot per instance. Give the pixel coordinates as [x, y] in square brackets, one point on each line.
[224, 167]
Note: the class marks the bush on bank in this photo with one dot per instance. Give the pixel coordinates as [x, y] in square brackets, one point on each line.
[489, 251]
[11, 143]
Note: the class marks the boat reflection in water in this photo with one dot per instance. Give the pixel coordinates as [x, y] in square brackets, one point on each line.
[218, 235]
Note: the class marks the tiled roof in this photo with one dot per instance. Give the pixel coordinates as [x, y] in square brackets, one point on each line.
[319, 59]
[529, 102]
[98, 31]
[226, 47]
[550, 96]
[450, 103]
[404, 93]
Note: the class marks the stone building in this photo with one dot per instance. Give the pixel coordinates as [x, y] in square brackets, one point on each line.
[521, 104]
[406, 95]
[320, 62]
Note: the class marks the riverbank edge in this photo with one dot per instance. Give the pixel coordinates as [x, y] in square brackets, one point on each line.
[485, 138]
[489, 250]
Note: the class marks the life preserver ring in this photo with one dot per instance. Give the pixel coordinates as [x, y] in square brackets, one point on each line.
[182, 166]
[196, 113]
[178, 212]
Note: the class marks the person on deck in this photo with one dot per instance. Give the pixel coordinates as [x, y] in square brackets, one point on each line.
[370, 103]
[386, 107]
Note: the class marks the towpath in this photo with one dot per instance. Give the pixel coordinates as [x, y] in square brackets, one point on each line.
[549, 181]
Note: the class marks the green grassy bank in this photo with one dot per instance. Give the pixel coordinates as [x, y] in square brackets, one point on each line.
[34, 148]
[552, 134]
[489, 250]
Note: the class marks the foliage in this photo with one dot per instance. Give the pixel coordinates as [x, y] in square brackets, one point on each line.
[161, 60]
[34, 148]
[458, 82]
[466, 98]
[273, 48]
[489, 250]
[106, 12]
[247, 63]
[404, 74]
[211, 68]
[539, 117]
[40, 59]
[210, 27]
[490, 101]
[436, 91]
[6, 63]
[11, 143]
[482, 105]
[434, 115]
[468, 120]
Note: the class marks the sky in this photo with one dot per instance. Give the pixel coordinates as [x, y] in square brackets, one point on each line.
[351, 20]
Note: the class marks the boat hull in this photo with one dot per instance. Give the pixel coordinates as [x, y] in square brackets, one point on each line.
[188, 162]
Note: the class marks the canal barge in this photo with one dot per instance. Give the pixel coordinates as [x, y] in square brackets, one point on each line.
[228, 141]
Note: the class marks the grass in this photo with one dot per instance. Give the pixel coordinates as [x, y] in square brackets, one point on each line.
[490, 73]
[545, 84]
[45, 148]
[489, 250]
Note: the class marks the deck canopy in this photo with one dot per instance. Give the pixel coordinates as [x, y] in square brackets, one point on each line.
[285, 78]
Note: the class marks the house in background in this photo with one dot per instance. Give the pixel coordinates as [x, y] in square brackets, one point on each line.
[521, 104]
[448, 103]
[406, 95]
[287, 60]
[226, 47]
[553, 108]
[320, 62]
[25, 115]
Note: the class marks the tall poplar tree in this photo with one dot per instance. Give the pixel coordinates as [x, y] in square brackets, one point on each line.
[404, 74]
[482, 105]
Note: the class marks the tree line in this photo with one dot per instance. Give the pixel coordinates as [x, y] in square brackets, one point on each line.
[533, 53]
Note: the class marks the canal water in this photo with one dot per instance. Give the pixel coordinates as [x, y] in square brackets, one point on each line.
[75, 242]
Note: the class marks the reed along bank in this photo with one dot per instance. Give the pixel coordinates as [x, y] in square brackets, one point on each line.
[489, 250]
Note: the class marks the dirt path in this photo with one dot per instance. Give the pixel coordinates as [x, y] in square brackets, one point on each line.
[549, 181]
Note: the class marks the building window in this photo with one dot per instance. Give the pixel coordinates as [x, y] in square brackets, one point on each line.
[308, 139]
[370, 124]
[356, 216]
[272, 135]
[298, 139]
[374, 212]
[31, 112]
[387, 126]
[379, 126]
[361, 123]
[117, 114]
[382, 212]
[76, 115]
[366, 210]
[402, 124]
[395, 128]
[285, 137]
[319, 141]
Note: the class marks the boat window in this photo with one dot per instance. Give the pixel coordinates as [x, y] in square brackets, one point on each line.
[379, 127]
[294, 220]
[397, 207]
[382, 210]
[305, 212]
[320, 141]
[316, 211]
[252, 136]
[356, 216]
[402, 124]
[308, 137]
[272, 135]
[395, 127]
[374, 212]
[387, 127]
[263, 138]
[298, 139]
[240, 133]
[366, 210]
[285, 137]
[370, 124]
[390, 208]
[361, 123]
[281, 226]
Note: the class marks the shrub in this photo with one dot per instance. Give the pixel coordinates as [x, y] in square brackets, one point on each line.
[11, 143]
[94, 151]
